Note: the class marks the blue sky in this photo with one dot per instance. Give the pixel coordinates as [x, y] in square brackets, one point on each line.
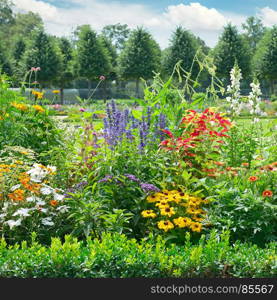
[204, 18]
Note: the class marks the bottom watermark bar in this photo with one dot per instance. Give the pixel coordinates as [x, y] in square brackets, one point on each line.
[143, 288]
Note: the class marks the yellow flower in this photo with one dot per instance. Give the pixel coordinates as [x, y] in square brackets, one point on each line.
[20, 106]
[196, 227]
[152, 198]
[55, 91]
[167, 211]
[192, 211]
[162, 203]
[38, 95]
[165, 225]
[198, 219]
[148, 214]
[182, 222]
[38, 108]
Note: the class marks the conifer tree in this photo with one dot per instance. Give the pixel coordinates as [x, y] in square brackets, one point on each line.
[183, 47]
[231, 48]
[140, 57]
[43, 52]
[92, 57]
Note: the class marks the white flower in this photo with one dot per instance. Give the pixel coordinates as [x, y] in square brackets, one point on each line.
[15, 187]
[13, 223]
[63, 208]
[256, 120]
[41, 202]
[3, 215]
[47, 222]
[58, 197]
[23, 212]
[37, 173]
[33, 199]
[52, 168]
[46, 190]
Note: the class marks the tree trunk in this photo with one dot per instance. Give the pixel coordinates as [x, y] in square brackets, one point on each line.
[137, 87]
[62, 95]
[89, 88]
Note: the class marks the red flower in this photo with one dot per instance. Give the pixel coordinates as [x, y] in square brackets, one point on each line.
[167, 132]
[253, 178]
[267, 193]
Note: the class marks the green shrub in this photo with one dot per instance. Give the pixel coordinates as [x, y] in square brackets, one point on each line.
[117, 256]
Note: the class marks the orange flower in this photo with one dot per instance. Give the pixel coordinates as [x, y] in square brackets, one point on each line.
[219, 163]
[267, 193]
[245, 164]
[53, 203]
[253, 178]
[17, 195]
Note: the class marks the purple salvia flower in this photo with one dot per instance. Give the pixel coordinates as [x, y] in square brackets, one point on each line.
[149, 113]
[148, 187]
[132, 177]
[106, 178]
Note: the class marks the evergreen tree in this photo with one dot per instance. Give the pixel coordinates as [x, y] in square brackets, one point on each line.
[140, 57]
[183, 46]
[66, 73]
[5, 65]
[265, 59]
[93, 59]
[230, 49]
[19, 49]
[42, 52]
[117, 34]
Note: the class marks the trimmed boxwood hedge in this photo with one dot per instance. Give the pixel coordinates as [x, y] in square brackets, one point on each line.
[117, 256]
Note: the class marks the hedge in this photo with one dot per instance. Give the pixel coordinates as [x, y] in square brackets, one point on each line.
[116, 256]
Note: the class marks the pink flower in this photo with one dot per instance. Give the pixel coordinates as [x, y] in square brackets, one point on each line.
[102, 77]
[82, 109]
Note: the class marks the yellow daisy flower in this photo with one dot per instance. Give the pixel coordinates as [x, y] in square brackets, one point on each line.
[148, 214]
[167, 211]
[165, 225]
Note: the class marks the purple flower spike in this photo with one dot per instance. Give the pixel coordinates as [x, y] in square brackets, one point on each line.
[132, 177]
[148, 187]
[106, 178]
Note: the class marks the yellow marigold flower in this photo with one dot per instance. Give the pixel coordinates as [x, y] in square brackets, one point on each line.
[148, 214]
[55, 91]
[20, 106]
[167, 211]
[38, 108]
[165, 225]
[196, 227]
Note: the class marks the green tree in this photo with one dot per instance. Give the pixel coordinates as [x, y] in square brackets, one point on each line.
[117, 34]
[265, 59]
[19, 49]
[92, 57]
[183, 47]
[5, 64]
[231, 48]
[66, 73]
[6, 13]
[140, 57]
[42, 52]
[253, 32]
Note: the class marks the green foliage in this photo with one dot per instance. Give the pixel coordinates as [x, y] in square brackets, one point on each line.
[231, 48]
[140, 57]
[42, 52]
[117, 34]
[93, 59]
[253, 32]
[266, 56]
[183, 48]
[115, 256]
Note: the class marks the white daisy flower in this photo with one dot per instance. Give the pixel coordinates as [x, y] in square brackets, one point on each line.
[13, 223]
[23, 212]
[46, 190]
[47, 222]
[15, 187]
[58, 197]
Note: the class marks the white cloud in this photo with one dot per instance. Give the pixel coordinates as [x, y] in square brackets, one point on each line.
[202, 21]
[269, 16]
